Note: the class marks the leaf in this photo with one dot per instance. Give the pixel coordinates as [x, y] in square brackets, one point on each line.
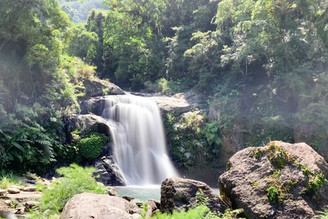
[18, 146]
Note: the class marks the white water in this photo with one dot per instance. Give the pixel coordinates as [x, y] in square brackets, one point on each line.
[138, 136]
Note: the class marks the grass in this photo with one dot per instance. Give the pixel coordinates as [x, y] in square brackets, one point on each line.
[8, 179]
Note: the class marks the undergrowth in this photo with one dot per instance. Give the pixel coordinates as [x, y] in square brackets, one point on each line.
[200, 212]
[8, 179]
[75, 180]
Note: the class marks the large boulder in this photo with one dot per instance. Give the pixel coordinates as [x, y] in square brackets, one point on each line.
[93, 105]
[309, 132]
[279, 180]
[108, 172]
[96, 87]
[89, 205]
[87, 124]
[178, 193]
[175, 105]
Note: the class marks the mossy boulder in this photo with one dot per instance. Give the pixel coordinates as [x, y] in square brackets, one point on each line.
[279, 180]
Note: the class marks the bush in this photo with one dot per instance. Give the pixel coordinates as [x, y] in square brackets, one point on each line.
[76, 180]
[90, 148]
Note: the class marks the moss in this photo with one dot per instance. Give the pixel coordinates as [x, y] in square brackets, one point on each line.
[257, 153]
[315, 180]
[273, 195]
[278, 156]
[290, 185]
[315, 183]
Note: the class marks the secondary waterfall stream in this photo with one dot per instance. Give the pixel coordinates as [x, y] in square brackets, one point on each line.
[138, 136]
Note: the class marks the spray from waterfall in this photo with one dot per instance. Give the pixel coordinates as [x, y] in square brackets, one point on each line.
[138, 136]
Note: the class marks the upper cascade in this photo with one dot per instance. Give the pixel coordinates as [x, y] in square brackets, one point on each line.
[139, 143]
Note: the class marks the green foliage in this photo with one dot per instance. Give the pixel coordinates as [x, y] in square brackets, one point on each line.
[323, 214]
[198, 212]
[90, 148]
[273, 195]
[278, 156]
[37, 84]
[315, 183]
[8, 179]
[201, 199]
[78, 11]
[257, 153]
[186, 140]
[27, 148]
[211, 132]
[75, 180]
[193, 142]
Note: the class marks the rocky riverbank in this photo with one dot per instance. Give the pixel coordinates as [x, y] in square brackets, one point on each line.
[279, 180]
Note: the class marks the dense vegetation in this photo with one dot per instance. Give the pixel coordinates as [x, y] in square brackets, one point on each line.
[74, 180]
[261, 66]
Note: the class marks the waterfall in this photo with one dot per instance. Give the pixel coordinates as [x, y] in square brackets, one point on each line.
[139, 147]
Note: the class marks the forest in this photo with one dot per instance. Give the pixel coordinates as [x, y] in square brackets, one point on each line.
[260, 66]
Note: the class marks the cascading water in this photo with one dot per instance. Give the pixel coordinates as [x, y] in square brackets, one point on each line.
[138, 136]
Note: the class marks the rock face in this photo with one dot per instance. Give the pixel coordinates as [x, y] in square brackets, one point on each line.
[178, 194]
[88, 123]
[174, 105]
[280, 180]
[88, 205]
[93, 105]
[96, 87]
[108, 171]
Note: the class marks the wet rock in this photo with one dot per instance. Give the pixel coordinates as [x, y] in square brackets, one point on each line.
[88, 205]
[108, 172]
[128, 198]
[178, 193]
[111, 191]
[93, 105]
[276, 181]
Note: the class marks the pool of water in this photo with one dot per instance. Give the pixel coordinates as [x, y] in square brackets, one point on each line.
[144, 193]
